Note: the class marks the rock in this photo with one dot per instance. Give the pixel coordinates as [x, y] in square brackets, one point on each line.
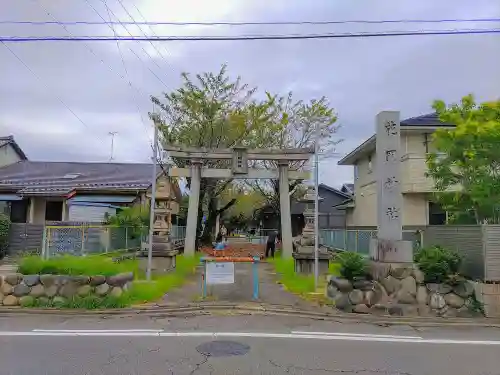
[454, 301]
[450, 312]
[97, 280]
[6, 288]
[61, 279]
[51, 291]
[418, 276]
[10, 300]
[436, 301]
[37, 291]
[363, 285]
[379, 270]
[68, 290]
[102, 289]
[401, 272]
[409, 285]
[464, 289]
[372, 297]
[26, 301]
[120, 279]
[13, 279]
[405, 297]
[342, 302]
[466, 312]
[356, 297]
[380, 293]
[395, 310]
[116, 292]
[343, 285]
[379, 309]
[58, 301]
[1, 298]
[423, 310]
[84, 290]
[43, 301]
[422, 297]
[361, 309]
[21, 290]
[31, 280]
[439, 288]
[48, 280]
[332, 291]
[390, 284]
[79, 280]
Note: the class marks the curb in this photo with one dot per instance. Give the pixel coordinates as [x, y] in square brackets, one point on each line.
[202, 309]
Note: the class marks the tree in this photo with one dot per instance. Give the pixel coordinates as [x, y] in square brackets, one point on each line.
[213, 111]
[465, 166]
[240, 214]
[302, 120]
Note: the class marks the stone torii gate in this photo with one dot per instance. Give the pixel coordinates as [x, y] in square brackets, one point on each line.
[239, 158]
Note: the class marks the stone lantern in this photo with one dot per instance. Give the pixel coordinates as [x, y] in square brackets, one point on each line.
[304, 246]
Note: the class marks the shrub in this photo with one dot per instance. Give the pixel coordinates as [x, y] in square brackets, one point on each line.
[73, 265]
[438, 263]
[4, 234]
[352, 265]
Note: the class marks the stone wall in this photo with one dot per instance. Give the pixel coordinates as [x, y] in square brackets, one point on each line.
[401, 291]
[54, 290]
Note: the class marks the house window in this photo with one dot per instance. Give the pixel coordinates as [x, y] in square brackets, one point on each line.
[437, 216]
[19, 211]
[370, 165]
[53, 210]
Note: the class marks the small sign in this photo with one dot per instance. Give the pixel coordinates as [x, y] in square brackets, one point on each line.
[220, 273]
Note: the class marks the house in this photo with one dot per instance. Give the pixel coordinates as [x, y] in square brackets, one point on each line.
[37, 192]
[417, 188]
[347, 189]
[330, 216]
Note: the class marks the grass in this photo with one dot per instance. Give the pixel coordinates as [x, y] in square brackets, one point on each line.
[74, 266]
[140, 291]
[302, 285]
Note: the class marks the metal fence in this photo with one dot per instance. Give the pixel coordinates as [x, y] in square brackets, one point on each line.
[358, 240]
[87, 239]
[177, 232]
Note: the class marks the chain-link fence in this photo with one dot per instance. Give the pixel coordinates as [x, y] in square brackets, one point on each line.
[88, 239]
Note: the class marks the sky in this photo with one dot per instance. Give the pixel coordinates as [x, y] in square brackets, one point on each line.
[60, 100]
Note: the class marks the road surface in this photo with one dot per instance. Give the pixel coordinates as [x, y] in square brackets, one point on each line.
[240, 345]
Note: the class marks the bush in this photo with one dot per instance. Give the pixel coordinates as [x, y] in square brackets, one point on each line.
[73, 265]
[352, 265]
[4, 234]
[438, 263]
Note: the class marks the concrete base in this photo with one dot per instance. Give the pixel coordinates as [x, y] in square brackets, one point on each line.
[304, 263]
[390, 251]
[160, 264]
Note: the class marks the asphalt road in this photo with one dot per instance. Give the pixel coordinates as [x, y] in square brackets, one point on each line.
[240, 345]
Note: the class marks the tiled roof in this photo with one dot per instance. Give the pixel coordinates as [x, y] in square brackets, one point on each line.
[55, 178]
[430, 119]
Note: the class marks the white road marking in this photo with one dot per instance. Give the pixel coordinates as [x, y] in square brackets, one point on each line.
[353, 334]
[97, 330]
[366, 338]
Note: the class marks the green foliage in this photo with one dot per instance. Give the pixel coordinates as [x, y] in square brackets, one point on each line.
[73, 265]
[465, 162]
[4, 234]
[144, 291]
[295, 283]
[352, 265]
[136, 218]
[438, 263]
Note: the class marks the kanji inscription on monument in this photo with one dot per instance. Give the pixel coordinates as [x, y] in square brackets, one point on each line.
[389, 247]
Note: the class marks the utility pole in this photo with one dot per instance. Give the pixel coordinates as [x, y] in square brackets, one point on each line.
[112, 134]
[316, 206]
[154, 159]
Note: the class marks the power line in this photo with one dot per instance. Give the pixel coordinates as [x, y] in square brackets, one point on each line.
[146, 52]
[15, 39]
[269, 23]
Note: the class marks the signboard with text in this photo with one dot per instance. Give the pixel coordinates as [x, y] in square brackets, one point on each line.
[219, 273]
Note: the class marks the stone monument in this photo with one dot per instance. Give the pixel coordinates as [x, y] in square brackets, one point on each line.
[389, 250]
[303, 253]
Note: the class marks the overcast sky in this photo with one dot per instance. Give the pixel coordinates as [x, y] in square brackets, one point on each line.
[359, 76]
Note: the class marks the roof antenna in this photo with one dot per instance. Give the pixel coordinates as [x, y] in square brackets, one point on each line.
[112, 134]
